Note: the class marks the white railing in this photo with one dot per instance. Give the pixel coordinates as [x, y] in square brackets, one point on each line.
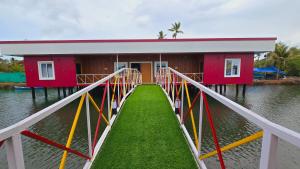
[198, 77]
[86, 79]
[125, 80]
[271, 131]
[83, 79]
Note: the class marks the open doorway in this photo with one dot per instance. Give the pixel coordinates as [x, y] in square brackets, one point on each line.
[145, 68]
[78, 68]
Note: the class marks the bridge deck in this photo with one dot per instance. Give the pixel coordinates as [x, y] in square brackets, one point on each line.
[145, 135]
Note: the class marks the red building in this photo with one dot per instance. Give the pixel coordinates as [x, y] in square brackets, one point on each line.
[69, 63]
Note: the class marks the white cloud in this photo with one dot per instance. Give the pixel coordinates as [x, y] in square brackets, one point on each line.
[94, 19]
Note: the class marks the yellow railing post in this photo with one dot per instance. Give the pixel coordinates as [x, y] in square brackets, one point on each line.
[112, 97]
[191, 114]
[71, 134]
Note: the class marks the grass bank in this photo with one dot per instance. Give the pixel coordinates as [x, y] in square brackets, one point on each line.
[286, 81]
[10, 85]
[145, 135]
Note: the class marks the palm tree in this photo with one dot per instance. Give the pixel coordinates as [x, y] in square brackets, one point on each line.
[175, 29]
[161, 35]
[279, 55]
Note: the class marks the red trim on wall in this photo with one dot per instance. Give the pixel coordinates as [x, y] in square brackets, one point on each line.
[214, 67]
[64, 69]
[138, 40]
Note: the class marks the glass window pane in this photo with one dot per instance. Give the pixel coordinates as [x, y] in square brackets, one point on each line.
[228, 67]
[50, 70]
[235, 70]
[44, 70]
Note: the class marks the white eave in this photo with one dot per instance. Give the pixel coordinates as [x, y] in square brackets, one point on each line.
[137, 46]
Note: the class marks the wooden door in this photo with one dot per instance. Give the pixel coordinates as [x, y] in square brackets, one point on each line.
[146, 72]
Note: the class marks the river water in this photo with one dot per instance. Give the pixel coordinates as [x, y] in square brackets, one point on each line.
[280, 104]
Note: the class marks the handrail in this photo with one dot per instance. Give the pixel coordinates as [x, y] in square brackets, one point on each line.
[11, 134]
[272, 131]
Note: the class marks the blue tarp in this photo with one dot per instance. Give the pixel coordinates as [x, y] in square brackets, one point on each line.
[271, 69]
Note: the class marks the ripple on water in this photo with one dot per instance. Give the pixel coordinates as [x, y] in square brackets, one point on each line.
[279, 104]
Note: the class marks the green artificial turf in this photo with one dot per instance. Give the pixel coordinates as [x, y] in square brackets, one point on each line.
[145, 135]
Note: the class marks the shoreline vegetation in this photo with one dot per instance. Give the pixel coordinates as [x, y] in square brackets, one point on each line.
[285, 81]
[10, 85]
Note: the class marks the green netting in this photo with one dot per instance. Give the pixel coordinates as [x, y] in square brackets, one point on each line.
[16, 77]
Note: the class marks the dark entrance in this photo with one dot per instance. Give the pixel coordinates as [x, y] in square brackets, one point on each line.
[78, 68]
[136, 66]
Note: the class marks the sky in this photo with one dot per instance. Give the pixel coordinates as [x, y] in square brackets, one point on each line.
[112, 19]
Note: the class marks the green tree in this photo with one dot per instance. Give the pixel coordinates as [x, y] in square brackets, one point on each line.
[176, 29]
[279, 55]
[161, 35]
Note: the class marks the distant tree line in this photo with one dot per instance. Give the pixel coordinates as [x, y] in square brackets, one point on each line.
[283, 57]
[11, 65]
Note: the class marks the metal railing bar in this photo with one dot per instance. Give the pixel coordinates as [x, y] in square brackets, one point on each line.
[31, 120]
[280, 131]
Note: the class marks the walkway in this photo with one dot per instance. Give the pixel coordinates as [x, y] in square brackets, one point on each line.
[145, 135]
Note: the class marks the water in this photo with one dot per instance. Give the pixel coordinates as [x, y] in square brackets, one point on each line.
[15, 106]
[279, 104]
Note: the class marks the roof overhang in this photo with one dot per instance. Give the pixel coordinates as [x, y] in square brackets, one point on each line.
[204, 45]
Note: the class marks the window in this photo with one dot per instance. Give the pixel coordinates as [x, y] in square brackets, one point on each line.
[121, 65]
[232, 67]
[164, 64]
[46, 70]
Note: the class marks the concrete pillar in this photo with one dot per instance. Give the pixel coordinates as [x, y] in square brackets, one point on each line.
[58, 92]
[33, 92]
[244, 90]
[237, 90]
[64, 92]
[46, 92]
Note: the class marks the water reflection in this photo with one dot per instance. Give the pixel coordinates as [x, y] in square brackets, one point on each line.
[279, 104]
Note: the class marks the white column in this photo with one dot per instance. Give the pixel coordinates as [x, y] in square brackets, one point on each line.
[88, 120]
[108, 101]
[14, 152]
[173, 89]
[182, 97]
[200, 124]
[169, 81]
[159, 66]
[118, 83]
[124, 91]
[268, 151]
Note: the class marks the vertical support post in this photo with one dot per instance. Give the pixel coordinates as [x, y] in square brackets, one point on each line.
[268, 151]
[182, 97]
[124, 88]
[33, 92]
[118, 83]
[160, 68]
[46, 92]
[200, 124]
[173, 89]
[108, 101]
[244, 90]
[220, 88]
[237, 90]
[87, 106]
[216, 88]
[224, 88]
[58, 92]
[169, 81]
[14, 153]
[64, 92]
